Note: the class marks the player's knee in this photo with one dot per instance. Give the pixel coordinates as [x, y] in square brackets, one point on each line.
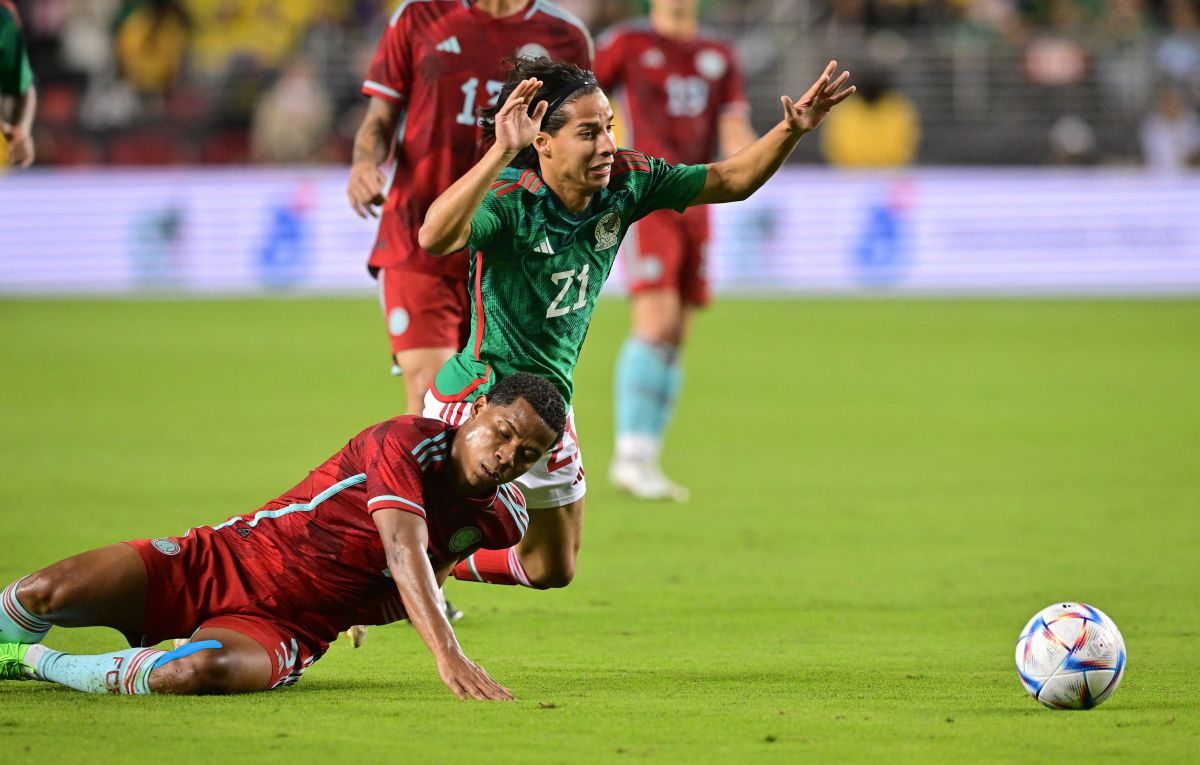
[553, 577]
[44, 594]
[202, 673]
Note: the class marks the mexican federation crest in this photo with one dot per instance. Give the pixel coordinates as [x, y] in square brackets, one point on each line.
[607, 231]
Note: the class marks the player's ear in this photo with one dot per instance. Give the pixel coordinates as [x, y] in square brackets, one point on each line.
[541, 144]
[478, 405]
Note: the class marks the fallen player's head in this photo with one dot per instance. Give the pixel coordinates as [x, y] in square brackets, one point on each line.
[510, 429]
[575, 141]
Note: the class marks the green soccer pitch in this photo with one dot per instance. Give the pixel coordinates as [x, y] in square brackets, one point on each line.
[884, 491]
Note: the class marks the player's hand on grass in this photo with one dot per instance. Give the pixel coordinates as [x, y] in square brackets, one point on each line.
[20, 145]
[468, 680]
[515, 127]
[810, 109]
[366, 189]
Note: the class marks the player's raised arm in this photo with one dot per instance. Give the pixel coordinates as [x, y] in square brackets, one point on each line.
[405, 539]
[447, 225]
[736, 178]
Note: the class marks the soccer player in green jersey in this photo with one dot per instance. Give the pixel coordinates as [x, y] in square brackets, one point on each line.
[18, 96]
[543, 213]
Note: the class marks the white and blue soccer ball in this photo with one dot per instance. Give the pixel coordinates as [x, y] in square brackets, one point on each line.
[1070, 656]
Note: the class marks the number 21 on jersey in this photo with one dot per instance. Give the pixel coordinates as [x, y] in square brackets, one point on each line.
[567, 278]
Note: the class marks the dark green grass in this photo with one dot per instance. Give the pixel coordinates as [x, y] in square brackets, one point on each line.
[885, 491]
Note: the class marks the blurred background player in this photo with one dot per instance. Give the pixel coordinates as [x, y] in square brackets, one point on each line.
[680, 96]
[18, 96]
[367, 537]
[438, 62]
[544, 212]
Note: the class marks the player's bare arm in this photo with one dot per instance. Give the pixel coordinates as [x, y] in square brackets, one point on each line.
[736, 178]
[19, 134]
[372, 143]
[447, 225]
[405, 540]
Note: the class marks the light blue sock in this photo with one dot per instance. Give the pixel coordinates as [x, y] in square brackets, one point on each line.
[641, 377]
[669, 393]
[121, 672]
[16, 624]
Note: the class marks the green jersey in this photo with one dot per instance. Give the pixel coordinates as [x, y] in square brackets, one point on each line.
[537, 269]
[15, 74]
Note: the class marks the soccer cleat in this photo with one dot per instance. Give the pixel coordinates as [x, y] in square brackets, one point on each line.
[452, 613]
[357, 635]
[645, 481]
[12, 661]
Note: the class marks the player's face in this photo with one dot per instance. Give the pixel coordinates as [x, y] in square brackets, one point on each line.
[498, 444]
[581, 152]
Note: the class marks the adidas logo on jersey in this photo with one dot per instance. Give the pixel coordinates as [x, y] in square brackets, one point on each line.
[449, 45]
[544, 247]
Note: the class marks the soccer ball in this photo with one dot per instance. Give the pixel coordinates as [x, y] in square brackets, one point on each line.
[1070, 656]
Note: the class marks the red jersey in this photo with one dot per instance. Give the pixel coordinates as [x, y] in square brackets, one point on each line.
[442, 61]
[671, 92]
[313, 557]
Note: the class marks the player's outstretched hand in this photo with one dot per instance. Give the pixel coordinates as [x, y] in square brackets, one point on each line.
[515, 127]
[468, 680]
[366, 189]
[807, 111]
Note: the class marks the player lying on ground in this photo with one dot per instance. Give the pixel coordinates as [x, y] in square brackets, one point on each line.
[544, 211]
[367, 538]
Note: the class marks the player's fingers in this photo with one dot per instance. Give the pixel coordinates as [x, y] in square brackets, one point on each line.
[7, 130]
[832, 87]
[494, 690]
[788, 106]
[840, 97]
[539, 113]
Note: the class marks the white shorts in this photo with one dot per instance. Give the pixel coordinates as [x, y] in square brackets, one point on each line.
[557, 478]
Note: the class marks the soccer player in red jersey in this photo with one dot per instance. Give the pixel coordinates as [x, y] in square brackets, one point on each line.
[680, 96]
[366, 538]
[438, 62]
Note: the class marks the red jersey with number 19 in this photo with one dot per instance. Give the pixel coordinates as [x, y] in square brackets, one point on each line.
[441, 61]
[671, 92]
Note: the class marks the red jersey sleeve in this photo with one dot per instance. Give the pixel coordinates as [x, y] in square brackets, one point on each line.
[514, 518]
[609, 59]
[390, 75]
[732, 98]
[394, 471]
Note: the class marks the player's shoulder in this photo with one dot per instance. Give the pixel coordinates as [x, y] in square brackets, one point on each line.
[412, 433]
[628, 164]
[509, 505]
[517, 182]
[545, 10]
[421, 12]
[623, 31]
[709, 38]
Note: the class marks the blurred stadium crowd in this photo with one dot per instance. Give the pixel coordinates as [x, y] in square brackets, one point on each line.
[161, 82]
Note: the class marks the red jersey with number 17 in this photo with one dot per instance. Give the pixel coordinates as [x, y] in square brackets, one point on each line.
[671, 93]
[441, 61]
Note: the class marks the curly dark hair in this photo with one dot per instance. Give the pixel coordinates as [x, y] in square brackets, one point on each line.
[539, 393]
[554, 76]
